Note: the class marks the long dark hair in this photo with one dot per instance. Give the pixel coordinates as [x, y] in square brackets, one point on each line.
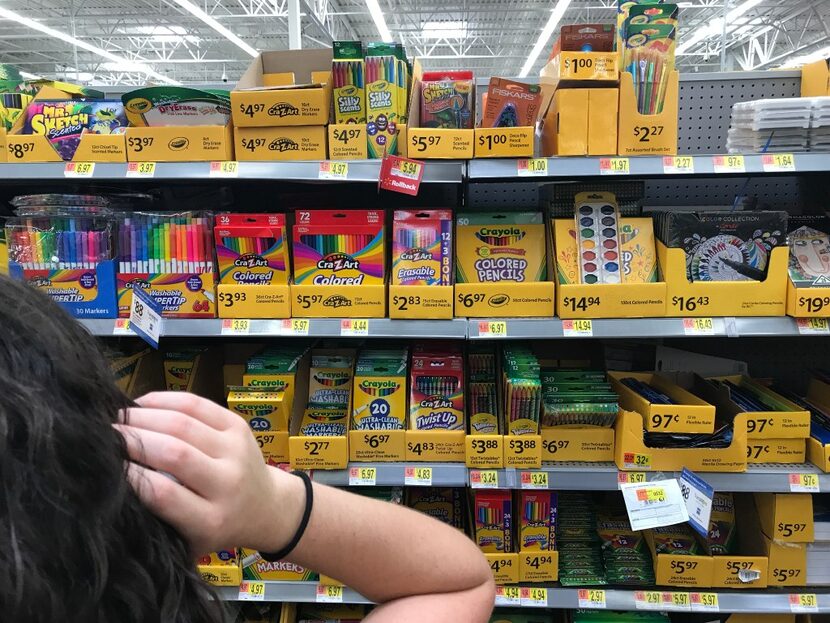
[76, 544]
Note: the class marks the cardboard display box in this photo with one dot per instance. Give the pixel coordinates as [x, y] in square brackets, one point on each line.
[280, 143]
[647, 135]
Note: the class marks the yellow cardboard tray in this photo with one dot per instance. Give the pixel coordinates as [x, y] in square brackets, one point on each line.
[505, 567]
[720, 298]
[438, 143]
[507, 300]
[787, 563]
[750, 568]
[786, 517]
[484, 451]
[282, 143]
[815, 79]
[689, 415]
[247, 301]
[645, 135]
[523, 451]
[631, 454]
[504, 142]
[771, 451]
[623, 300]
[4, 154]
[347, 141]
[539, 566]
[377, 446]
[818, 454]
[569, 69]
[677, 570]
[421, 302]
[303, 96]
[436, 446]
[323, 301]
[198, 143]
[807, 302]
[592, 444]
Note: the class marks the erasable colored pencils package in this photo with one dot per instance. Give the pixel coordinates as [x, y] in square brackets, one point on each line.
[339, 248]
[422, 248]
[444, 504]
[63, 122]
[494, 521]
[251, 249]
[537, 520]
[437, 393]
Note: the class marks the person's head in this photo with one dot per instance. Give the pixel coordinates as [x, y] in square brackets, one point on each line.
[76, 544]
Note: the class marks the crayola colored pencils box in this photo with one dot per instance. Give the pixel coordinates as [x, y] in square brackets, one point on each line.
[494, 247]
[339, 248]
[251, 249]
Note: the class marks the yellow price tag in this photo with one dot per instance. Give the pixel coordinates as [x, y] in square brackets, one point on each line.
[728, 164]
[577, 328]
[493, 328]
[812, 326]
[698, 326]
[334, 170]
[678, 164]
[634, 460]
[532, 167]
[534, 480]
[300, 326]
[804, 602]
[251, 591]
[141, 169]
[773, 163]
[534, 597]
[648, 600]
[651, 494]
[630, 477]
[417, 476]
[591, 598]
[508, 596]
[614, 166]
[363, 476]
[484, 479]
[349, 327]
[122, 327]
[236, 326]
[79, 169]
[705, 602]
[680, 601]
[804, 483]
[224, 168]
[329, 594]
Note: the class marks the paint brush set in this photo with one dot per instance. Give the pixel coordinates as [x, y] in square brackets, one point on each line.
[251, 249]
[165, 242]
[437, 388]
[422, 247]
[577, 398]
[448, 100]
[521, 390]
[482, 403]
[339, 248]
[724, 246]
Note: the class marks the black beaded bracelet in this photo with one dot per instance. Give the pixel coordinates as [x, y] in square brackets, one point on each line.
[309, 502]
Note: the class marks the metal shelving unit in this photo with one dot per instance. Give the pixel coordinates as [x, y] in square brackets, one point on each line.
[770, 601]
[435, 172]
[392, 474]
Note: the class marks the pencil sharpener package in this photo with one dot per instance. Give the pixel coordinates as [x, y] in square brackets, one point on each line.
[494, 521]
[422, 248]
[63, 122]
[380, 393]
[339, 248]
[447, 100]
[251, 249]
[67, 252]
[445, 504]
[437, 392]
[537, 520]
[493, 248]
[511, 104]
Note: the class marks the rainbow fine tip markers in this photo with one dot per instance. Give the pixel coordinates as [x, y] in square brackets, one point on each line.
[165, 243]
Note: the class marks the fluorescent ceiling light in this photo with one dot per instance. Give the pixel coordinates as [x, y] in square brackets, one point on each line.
[379, 19]
[135, 66]
[806, 59]
[547, 31]
[210, 21]
[164, 33]
[444, 30]
[715, 26]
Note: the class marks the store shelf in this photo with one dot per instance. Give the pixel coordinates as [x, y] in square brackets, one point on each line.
[639, 166]
[392, 474]
[769, 601]
[440, 172]
[541, 328]
[317, 327]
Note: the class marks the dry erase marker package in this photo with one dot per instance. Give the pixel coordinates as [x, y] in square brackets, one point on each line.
[493, 247]
[339, 248]
[437, 392]
[251, 249]
[493, 515]
[379, 395]
[67, 252]
[422, 247]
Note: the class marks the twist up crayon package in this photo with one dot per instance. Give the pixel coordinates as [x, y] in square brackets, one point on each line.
[422, 248]
[339, 248]
[380, 390]
[251, 249]
[494, 247]
[437, 391]
[494, 521]
[63, 122]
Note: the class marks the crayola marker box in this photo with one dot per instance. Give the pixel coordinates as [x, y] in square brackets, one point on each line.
[494, 521]
[422, 247]
[254, 567]
[330, 381]
[178, 368]
[339, 248]
[274, 370]
[263, 409]
[537, 520]
[493, 247]
[222, 568]
[324, 422]
[251, 249]
[437, 392]
[380, 393]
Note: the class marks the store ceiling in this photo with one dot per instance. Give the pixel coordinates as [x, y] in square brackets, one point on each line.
[132, 41]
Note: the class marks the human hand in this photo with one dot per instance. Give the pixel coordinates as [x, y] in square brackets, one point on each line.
[226, 496]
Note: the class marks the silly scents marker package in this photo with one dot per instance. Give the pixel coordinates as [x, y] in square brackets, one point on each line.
[339, 248]
[494, 247]
[251, 248]
[422, 248]
[437, 395]
[63, 122]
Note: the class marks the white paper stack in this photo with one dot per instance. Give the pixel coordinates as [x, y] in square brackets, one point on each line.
[780, 125]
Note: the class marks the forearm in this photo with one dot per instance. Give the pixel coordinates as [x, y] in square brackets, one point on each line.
[386, 552]
[471, 606]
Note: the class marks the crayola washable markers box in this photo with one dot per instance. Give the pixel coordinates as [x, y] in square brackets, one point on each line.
[493, 514]
[537, 520]
[422, 247]
[437, 392]
[330, 381]
[379, 393]
[324, 422]
[339, 248]
[492, 247]
[178, 368]
[251, 249]
[445, 504]
[255, 567]
[263, 409]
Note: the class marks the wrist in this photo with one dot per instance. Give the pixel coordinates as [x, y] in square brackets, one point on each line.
[284, 510]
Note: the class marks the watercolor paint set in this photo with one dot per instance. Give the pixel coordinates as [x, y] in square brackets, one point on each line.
[598, 242]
